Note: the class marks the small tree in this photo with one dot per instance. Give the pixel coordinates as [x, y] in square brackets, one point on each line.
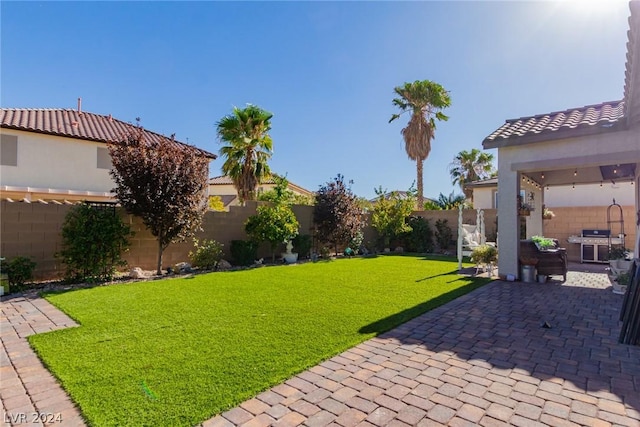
[389, 214]
[164, 183]
[337, 215]
[274, 224]
[93, 239]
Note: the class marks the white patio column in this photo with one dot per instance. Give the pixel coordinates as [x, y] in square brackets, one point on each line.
[508, 222]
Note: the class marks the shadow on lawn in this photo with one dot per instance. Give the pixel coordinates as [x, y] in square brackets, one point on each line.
[386, 324]
[501, 327]
[450, 273]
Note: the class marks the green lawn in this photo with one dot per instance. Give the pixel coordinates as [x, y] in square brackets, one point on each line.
[176, 352]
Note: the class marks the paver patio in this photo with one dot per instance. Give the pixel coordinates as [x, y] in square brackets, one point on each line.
[483, 359]
[29, 394]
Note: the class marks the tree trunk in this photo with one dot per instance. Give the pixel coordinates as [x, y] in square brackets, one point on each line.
[419, 163]
[160, 250]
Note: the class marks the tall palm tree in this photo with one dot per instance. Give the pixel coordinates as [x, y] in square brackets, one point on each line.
[249, 147]
[425, 100]
[469, 166]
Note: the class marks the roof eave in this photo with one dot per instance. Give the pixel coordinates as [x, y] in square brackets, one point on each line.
[513, 141]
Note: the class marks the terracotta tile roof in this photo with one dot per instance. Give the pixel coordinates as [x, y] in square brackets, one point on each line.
[608, 116]
[73, 124]
[632, 68]
[560, 124]
[225, 180]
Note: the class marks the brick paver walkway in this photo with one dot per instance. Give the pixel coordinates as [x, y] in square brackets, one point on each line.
[29, 394]
[483, 359]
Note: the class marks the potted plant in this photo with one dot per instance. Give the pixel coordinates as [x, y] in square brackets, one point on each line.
[487, 255]
[543, 243]
[620, 282]
[618, 258]
[528, 269]
[547, 213]
[524, 209]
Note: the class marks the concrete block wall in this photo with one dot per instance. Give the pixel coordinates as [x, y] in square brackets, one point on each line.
[33, 230]
[570, 221]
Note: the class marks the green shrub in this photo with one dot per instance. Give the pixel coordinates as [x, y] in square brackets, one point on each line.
[420, 238]
[93, 239]
[207, 254]
[243, 252]
[302, 244]
[623, 279]
[443, 234]
[19, 269]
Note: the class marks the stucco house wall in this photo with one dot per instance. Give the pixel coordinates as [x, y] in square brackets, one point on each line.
[55, 162]
[62, 154]
[583, 195]
[484, 197]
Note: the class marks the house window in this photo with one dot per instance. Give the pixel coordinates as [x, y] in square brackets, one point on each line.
[104, 159]
[9, 150]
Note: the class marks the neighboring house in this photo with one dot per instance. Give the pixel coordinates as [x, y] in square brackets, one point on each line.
[485, 194]
[222, 186]
[587, 145]
[59, 154]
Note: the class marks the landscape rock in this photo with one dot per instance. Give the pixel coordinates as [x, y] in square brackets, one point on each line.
[182, 267]
[399, 249]
[224, 265]
[137, 273]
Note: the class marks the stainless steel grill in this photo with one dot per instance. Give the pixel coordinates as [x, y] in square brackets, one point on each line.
[594, 245]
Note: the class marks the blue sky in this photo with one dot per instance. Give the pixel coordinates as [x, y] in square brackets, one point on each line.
[326, 70]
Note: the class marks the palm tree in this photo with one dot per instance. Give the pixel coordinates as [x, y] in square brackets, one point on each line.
[424, 99]
[469, 166]
[249, 147]
[452, 201]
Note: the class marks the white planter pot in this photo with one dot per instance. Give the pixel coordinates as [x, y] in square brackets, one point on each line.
[623, 264]
[290, 258]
